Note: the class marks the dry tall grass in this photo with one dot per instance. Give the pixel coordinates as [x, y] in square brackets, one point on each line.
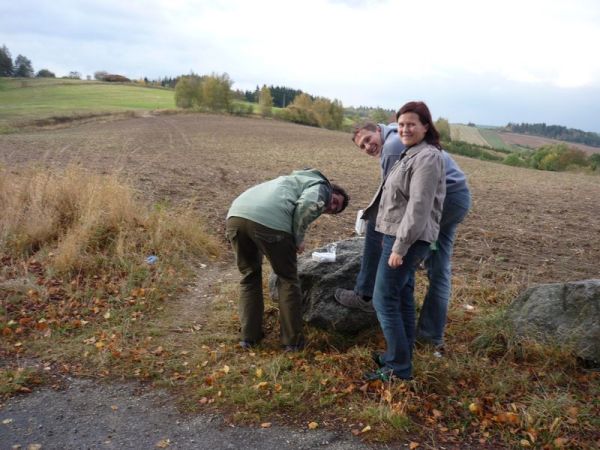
[76, 216]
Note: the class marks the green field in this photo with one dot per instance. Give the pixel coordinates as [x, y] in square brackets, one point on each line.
[484, 136]
[494, 140]
[468, 134]
[24, 101]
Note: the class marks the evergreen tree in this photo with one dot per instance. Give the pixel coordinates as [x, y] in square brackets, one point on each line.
[6, 63]
[23, 67]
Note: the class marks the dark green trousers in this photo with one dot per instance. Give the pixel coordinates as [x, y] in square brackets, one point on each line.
[250, 241]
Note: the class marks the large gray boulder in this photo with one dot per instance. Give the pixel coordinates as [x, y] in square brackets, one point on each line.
[318, 282]
[564, 313]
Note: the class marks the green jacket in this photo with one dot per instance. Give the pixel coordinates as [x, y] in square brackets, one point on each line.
[288, 203]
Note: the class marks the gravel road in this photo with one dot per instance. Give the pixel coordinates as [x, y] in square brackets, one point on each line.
[92, 415]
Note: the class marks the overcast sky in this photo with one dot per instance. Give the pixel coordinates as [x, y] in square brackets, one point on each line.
[489, 62]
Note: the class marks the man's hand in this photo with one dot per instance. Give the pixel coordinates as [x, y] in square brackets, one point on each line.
[300, 247]
[395, 260]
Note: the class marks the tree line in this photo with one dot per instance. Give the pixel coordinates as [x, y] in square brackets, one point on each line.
[213, 92]
[282, 96]
[555, 132]
[21, 67]
[552, 157]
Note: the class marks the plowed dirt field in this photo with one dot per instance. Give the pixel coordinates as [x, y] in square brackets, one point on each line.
[525, 225]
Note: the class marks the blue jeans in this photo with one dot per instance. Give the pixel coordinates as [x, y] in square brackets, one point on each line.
[432, 319]
[396, 310]
[365, 281]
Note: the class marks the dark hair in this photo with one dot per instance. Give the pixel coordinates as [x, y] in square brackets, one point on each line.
[369, 126]
[432, 136]
[335, 189]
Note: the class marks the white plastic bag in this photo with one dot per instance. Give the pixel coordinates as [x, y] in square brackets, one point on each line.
[361, 225]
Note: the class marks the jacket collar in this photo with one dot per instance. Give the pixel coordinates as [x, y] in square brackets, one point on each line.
[411, 151]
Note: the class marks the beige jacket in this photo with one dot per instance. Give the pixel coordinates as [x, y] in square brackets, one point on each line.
[409, 202]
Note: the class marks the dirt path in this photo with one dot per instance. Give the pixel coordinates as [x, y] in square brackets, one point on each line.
[91, 415]
[99, 415]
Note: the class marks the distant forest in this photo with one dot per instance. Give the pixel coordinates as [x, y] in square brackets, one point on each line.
[282, 96]
[556, 132]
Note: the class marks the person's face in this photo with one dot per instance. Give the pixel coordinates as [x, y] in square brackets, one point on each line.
[335, 204]
[369, 142]
[410, 129]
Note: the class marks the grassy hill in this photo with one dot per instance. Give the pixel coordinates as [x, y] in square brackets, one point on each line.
[514, 142]
[27, 101]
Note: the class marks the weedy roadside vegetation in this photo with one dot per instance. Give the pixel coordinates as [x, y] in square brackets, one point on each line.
[74, 273]
[78, 294]
[490, 388]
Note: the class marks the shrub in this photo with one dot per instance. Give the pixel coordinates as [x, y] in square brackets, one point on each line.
[45, 73]
[594, 161]
[114, 78]
[470, 150]
[557, 157]
[188, 92]
[514, 159]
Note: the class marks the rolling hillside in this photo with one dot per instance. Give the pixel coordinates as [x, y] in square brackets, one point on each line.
[507, 141]
[31, 101]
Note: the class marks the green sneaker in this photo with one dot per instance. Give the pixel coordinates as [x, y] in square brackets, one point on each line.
[380, 374]
[383, 374]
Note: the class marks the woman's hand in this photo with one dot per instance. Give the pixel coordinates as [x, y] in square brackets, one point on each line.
[395, 260]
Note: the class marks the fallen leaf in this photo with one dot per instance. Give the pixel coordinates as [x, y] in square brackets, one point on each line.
[107, 315]
[365, 429]
[7, 421]
[163, 443]
[555, 425]
[34, 446]
[560, 442]
[225, 369]
[525, 443]
[313, 425]
[262, 385]
[265, 425]
[387, 395]
[413, 445]
[474, 408]
[259, 373]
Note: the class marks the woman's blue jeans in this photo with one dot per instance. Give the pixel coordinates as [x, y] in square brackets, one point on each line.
[395, 308]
